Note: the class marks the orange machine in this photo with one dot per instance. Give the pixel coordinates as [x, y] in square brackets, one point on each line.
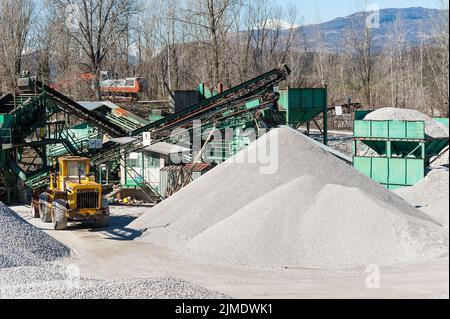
[114, 89]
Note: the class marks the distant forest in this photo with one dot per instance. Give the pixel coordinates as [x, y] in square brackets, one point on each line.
[176, 44]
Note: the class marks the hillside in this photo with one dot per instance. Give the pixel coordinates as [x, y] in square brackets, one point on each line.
[417, 23]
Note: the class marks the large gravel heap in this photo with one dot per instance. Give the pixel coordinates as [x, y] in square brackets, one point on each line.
[22, 244]
[431, 195]
[433, 128]
[314, 211]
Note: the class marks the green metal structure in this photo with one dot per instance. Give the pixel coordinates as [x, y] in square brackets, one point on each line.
[394, 153]
[303, 105]
[35, 127]
[38, 117]
[137, 169]
[298, 106]
[211, 112]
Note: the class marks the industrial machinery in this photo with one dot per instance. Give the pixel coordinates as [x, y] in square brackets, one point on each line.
[126, 89]
[121, 89]
[211, 112]
[32, 119]
[72, 194]
[394, 153]
[37, 116]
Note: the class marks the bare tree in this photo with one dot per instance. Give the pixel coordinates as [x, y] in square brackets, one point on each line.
[360, 48]
[437, 56]
[15, 21]
[97, 27]
[210, 17]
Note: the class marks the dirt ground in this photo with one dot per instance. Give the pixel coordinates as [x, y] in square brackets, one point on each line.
[111, 253]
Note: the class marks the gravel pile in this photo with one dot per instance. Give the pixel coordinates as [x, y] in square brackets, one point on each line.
[442, 160]
[433, 128]
[28, 270]
[431, 195]
[341, 143]
[314, 211]
[53, 282]
[322, 233]
[22, 244]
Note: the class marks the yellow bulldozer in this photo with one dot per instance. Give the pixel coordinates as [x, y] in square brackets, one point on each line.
[72, 195]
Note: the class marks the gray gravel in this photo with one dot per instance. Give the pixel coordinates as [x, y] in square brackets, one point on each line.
[432, 128]
[313, 211]
[430, 195]
[442, 160]
[28, 270]
[22, 244]
[52, 282]
[310, 225]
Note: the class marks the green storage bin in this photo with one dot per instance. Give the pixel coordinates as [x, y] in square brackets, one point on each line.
[415, 171]
[364, 165]
[415, 130]
[397, 171]
[362, 128]
[302, 104]
[380, 129]
[380, 170]
[397, 129]
[403, 150]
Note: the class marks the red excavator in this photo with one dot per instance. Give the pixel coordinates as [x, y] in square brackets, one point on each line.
[127, 89]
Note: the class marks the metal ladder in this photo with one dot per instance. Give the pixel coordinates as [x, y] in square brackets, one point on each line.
[145, 186]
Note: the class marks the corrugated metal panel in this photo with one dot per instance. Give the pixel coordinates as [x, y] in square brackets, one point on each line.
[185, 99]
[302, 104]
[168, 175]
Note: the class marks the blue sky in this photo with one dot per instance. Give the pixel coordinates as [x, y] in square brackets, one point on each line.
[315, 11]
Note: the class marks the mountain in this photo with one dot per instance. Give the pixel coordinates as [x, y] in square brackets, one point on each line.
[418, 23]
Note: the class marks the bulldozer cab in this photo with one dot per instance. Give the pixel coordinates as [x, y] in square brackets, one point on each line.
[70, 169]
[74, 168]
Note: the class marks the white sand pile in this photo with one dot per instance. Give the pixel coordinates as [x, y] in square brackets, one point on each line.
[22, 244]
[432, 128]
[314, 211]
[431, 195]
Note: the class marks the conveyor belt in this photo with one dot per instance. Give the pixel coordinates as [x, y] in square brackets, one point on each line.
[245, 90]
[72, 107]
[207, 109]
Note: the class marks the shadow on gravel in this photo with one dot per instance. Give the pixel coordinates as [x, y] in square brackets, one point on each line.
[117, 229]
